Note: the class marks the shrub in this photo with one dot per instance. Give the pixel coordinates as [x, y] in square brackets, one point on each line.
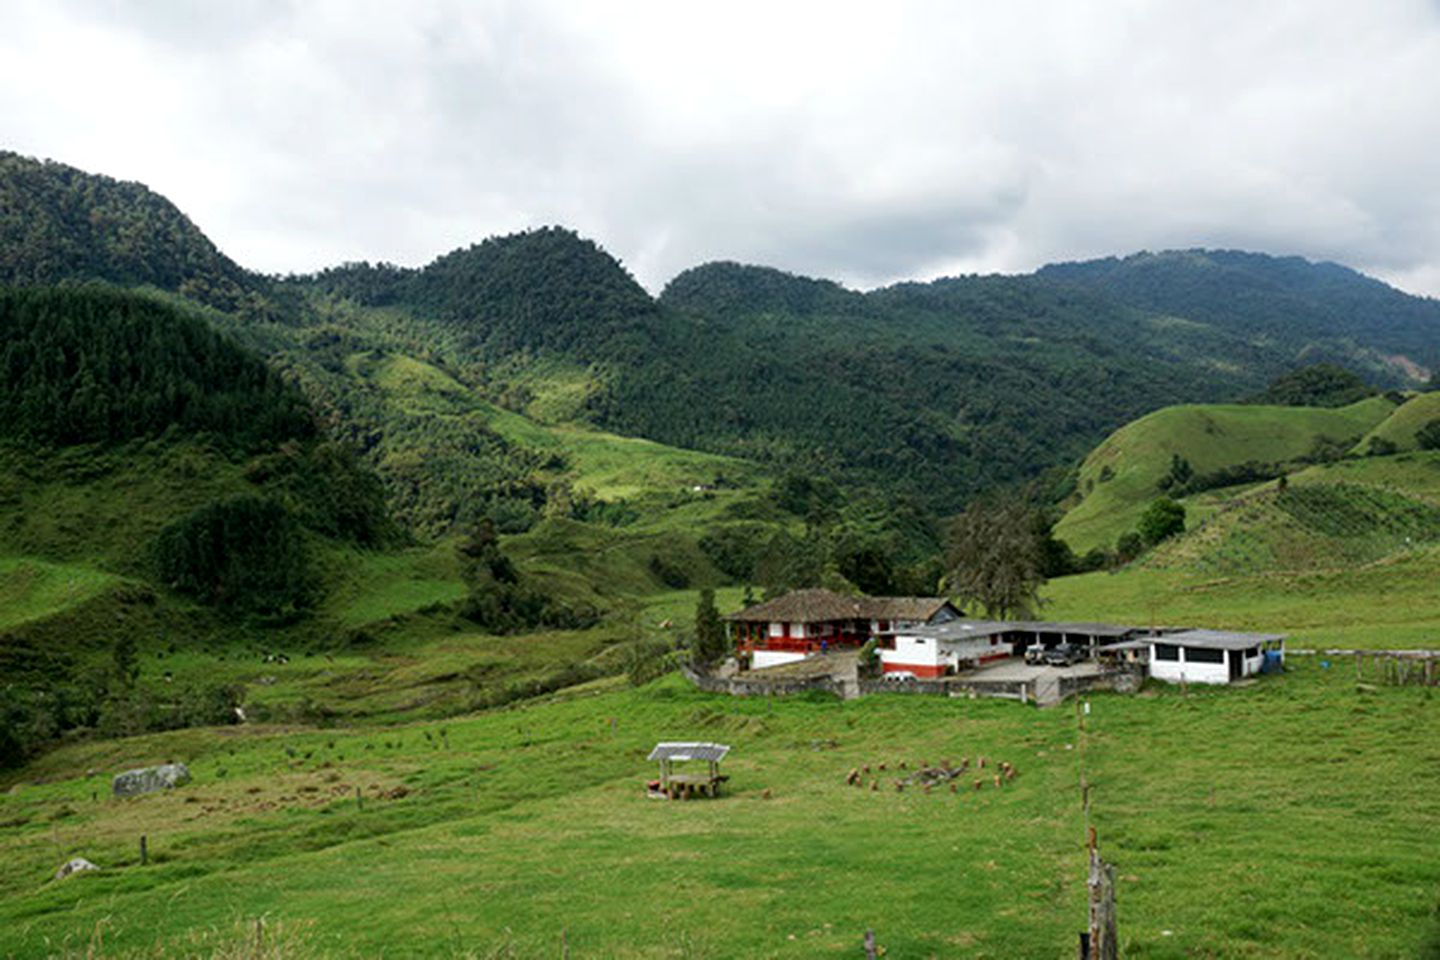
[1428, 436]
[1163, 519]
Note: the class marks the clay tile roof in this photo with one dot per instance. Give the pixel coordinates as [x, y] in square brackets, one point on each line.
[803, 606]
[812, 605]
[902, 608]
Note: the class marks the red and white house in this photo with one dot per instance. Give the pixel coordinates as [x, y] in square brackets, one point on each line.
[805, 622]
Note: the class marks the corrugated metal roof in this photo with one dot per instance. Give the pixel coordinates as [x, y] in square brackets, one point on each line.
[959, 630]
[962, 629]
[689, 751]
[1088, 629]
[1217, 639]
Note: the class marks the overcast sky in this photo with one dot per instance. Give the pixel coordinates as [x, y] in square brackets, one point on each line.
[861, 142]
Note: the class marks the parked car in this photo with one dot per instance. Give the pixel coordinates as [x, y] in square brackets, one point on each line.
[1062, 655]
[1035, 653]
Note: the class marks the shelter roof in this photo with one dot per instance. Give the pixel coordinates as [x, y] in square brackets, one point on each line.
[713, 752]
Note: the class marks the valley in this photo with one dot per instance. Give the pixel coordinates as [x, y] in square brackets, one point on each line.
[403, 564]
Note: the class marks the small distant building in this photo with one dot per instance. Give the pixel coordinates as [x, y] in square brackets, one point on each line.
[1214, 656]
[804, 622]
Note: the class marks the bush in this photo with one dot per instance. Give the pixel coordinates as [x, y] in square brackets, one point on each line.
[1163, 519]
[1428, 436]
[505, 608]
[1380, 447]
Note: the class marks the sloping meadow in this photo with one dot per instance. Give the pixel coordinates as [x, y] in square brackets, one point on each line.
[1294, 817]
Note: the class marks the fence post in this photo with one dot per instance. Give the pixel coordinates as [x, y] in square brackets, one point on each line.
[1103, 938]
[144, 851]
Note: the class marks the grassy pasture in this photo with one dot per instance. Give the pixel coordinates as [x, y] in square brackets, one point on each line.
[1297, 816]
[1399, 428]
[1119, 478]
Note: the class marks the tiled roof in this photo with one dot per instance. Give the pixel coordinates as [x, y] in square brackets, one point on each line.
[818, 605]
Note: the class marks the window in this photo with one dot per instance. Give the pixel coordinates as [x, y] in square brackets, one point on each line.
[1167, 651]
[1204, 655]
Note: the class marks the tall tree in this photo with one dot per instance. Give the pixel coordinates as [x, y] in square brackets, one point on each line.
[711, 643]
[995, 557]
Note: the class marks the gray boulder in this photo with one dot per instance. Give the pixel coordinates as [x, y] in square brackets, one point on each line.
[132, 783]
[78, 865]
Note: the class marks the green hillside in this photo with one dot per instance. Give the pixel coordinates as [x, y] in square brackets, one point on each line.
[1399, 428]
[1122, 475]
[1346, 554]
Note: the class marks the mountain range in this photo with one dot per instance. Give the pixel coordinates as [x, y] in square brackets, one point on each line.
[932, 391]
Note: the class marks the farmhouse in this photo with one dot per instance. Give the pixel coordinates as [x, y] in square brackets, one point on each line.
[1214, 656]
[803, 622]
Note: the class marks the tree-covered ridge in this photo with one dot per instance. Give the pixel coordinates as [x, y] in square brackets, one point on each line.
[1318, 385]
[1316, 311]
[545, 289]
[95, 364]
[60, 225]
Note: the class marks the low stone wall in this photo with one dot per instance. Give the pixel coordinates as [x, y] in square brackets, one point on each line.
[972, 689]
[754, 687]
[1124, 680]
[1121, 681]
[937, 688]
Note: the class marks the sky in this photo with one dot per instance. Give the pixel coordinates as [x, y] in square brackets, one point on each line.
[863, 142]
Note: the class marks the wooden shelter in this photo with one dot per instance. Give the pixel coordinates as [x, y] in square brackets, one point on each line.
[683, 784]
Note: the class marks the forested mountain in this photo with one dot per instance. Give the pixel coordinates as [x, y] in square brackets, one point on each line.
[935, 390]
[59, 224]
[1312, 311]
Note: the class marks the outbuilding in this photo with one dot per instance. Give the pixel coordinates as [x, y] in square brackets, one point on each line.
[1214, 656]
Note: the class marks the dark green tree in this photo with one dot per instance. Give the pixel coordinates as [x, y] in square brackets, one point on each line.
[995, 558]
[1428, 436]
[1163, 519]
[712, 642]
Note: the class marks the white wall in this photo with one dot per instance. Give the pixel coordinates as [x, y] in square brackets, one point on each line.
[1176, 670]
[913, 651]
[772, 658]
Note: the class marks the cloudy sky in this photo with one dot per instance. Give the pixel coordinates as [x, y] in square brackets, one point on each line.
[862, 142]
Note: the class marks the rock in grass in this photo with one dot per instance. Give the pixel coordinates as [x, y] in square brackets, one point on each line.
[132, 783]
[78, 865]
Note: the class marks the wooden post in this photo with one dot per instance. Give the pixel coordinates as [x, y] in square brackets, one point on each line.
[870, 948]
[359, 798]
[144, 852]
[1103, 939]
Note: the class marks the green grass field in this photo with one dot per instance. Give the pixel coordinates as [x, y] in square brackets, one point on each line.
[33, 589]
[1295, 817]
[1120, 477]
[1399, 428]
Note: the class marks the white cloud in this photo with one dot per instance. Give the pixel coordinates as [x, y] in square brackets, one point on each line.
[862, 142]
